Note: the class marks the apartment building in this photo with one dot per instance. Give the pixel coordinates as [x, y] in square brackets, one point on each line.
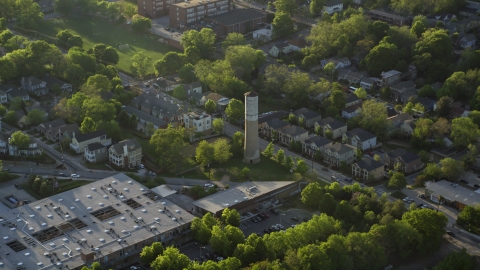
[186, 12]
[153, 8]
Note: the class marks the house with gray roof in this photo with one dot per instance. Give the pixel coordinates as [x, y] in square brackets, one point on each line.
[196, 98]
[360, 139]
[352, 100]
[270, 127]
[34, 85]
[352, 111]
[79, 141]
[315, 144]
[368, 170]
[337, 153]
[43, 127]
[61, 133]
[145, 118]
[52, 81]
[330, 125]
[264, 117]
[367, 83]
[166, 84]
[194, 87]
[401, 88]
[468, 41]
[161, 107]
[333, 6]
[14, 92]
[95, 152]
[125, 154]
[33, 149]
[307, 116]
[408, 162]
[292, 133]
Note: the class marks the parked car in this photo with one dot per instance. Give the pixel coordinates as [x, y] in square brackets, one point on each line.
[325, 169]
[134, 268]
[266, 230]
[421, 196]
[464, 181]
[75, 176]
[209, 185]
[62, 174]
[452, 234]
[266, 215]
[294, 219]
[348, 179]
[476, 185]
[141, 166]
[280, 226]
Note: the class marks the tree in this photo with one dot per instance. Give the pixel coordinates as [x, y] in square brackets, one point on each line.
[231, 217]
[171, 259]
[205, 153]
[275, 78]
[169, 146]
[202, 40]
[3, 110]
[460, 260]
[84, 60]
[427, 91]
[280, 156]
[329, 69]
[418, 28]
[36, 116]
[382, 57]
[235, 110]
[3, 21]
[289, 162]
[433, 53]
[397, 181]
[222, 150]
[150, 253]
[5, 35]
[361, 93]
[285, 6]
[7, 69]
[302, 167]
[474, 115]
[243, 59]
[298, 88]
[373, 118]
[451, 169]
[99, 110]
[95, 266]
[64, 7]
[200, 231]
[141, 24]
[233, 39]
[187, 74]
[170, 63]
[88, 125]
[210, 106]
[469, 218]
[97, 84]
[245, 173]
[19, 140]
[10, 117]
[316, 6]
[282, 25]
[430, 224]
[328, 204]
[29, 14]
[110, 56]
[344, 212]
[464, 131]
[179, 92]
[268, 152]
[219, 241]
[133, 121]
[140, 64]
[218, 125]
[312, 195]
[441, 127]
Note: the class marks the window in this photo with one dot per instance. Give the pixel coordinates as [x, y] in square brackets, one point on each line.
[208, 122]
[190, 10]
[210, 5]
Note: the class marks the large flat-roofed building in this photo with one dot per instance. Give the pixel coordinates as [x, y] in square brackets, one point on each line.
[191, 11]
[237, 21]
[453, 194]
[246, 197]
[108, 221]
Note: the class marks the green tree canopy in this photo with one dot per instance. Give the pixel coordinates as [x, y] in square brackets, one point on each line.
[202, 40]
[169, 146]
[233, 39]
[20, 140]
[235, 110]
[231, 217]
[141, 24]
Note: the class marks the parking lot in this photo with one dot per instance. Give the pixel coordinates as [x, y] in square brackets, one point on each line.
[195, 250]
[284, 218]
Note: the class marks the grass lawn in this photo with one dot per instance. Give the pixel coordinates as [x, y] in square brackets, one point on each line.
[94, 31]
[6, 176]
[97, 166]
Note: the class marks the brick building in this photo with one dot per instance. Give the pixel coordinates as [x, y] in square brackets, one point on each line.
[237, 21]
[189, 12]
[153, 8]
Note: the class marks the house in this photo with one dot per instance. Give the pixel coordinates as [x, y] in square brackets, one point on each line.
[166, 84]
[14, 92]
[468, 41]
[3, 93]
[314, 144]
[457, 112]
[388, 17]
[297, 43]
[273, 125]
[21, 118]
[42, 128]
[34, 85]
[217, 98]
[95, 152]
[37, 106]
[61, 133]
[4, 143]
[330, 124]
[390, 78]
[352, 100]
[292, 133]
[194, 87]
[282, 47]
[407, 127]
[468, 12]
[197, 121]
[354, 77]
[79, 141]
[163, 108]
[368, 169]
[367, 83]
[333, 6]
[427, 103]
[352, 111]
[400, 88]
[337, 153]
[52, 81]
[447, 142]
[199, 99]
[145, 118]
[264, 117]
[391, 112]
[409, 162]
[360, 139]
[32, 150]
[339, 63]
[263, 34]
[125, 154]
[397, 120]
[307, 116]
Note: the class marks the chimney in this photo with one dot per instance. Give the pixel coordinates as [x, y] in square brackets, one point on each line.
[125, 150]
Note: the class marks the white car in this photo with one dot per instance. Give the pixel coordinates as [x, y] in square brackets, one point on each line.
[280, 226]
[209, 185]
[75, 176]
[134, 268]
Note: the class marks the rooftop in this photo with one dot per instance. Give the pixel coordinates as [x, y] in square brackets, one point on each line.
[369, 164]
[405, 155]
[340, 148]
[306, 113]
[454, 193]
[293, 130]
[145, 116]
[360, 133]
[332, 122]
[242, 192]
[271, 115]
[238, 16]
[276, 123]
[101, 217]
[194, 3]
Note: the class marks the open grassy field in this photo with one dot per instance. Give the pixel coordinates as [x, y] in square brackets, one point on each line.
[94, 30]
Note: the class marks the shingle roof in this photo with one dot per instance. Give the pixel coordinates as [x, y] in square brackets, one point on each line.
[17, 92]
[145, 116]
[369, 164]
[238, 15]
[269, 116]
[386, 14]
[426, 102]
[391, 112]
[307, 113]
[293, 130]
[319, 141]
[53, 124]
[214, 96]
[130, 142]
[276, 123]
[198, 96]
[341, 148]
[95, 146]
[52, 81]
[404, 154]
[351, 98]
[89, 136]
[360, 133]
[33, 80]
[332, 122]
[401, 85]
